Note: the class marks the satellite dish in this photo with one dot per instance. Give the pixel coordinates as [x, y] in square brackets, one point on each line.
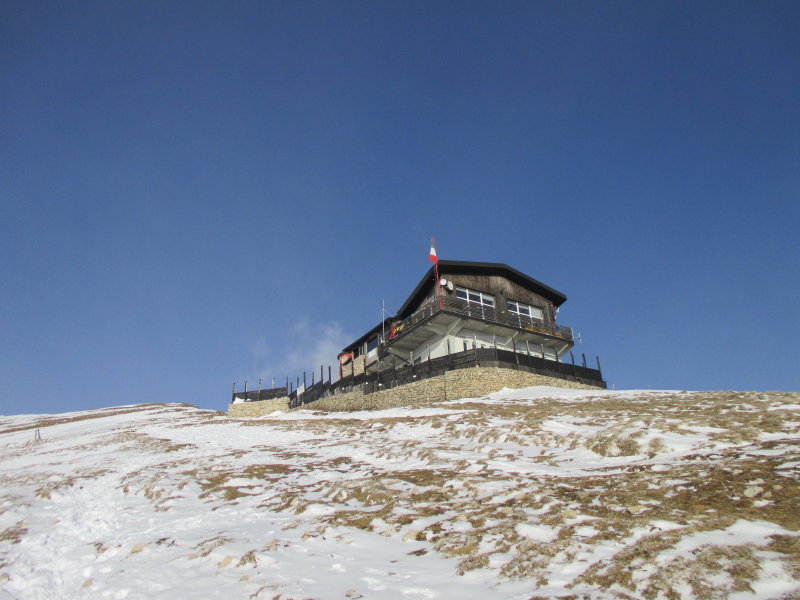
[443, 281]
[450, 285]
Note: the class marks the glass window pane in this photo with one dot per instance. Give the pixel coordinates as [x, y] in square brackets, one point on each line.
[475, 297]
[461, 293]
[536, 312]
[512, 306]
[488, 300]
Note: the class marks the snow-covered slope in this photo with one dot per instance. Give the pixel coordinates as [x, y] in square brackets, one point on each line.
[535, 493]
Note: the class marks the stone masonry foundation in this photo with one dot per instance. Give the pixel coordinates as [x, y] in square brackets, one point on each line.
[258, 408]
[461, 383]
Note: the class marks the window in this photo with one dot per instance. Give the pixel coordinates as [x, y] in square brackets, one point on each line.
[474, 297]
[518, 308]
[372, 344]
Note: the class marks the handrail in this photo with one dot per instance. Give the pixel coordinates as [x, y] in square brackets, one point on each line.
[484, 313]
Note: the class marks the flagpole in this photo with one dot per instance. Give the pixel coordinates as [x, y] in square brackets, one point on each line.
[436, 273]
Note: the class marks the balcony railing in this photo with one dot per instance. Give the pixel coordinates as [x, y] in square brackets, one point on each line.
[475, 311]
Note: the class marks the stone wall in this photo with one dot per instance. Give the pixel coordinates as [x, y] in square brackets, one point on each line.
[258, 408]
[357, 363]
[461, 383]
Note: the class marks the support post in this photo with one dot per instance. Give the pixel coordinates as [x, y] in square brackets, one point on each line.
[583, 360]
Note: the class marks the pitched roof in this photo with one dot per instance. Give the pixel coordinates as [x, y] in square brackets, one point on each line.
[462, 268]
[478, 268]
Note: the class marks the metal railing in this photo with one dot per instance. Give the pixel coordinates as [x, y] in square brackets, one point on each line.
[256, 395]
[474, 311]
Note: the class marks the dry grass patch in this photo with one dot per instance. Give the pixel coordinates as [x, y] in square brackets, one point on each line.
[206, 547]
[67, 482]
[14, 533]
[44, 422]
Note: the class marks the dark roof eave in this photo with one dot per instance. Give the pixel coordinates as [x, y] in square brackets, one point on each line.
[351, 347]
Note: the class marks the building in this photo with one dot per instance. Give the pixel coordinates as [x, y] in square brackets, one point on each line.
[473, 306]
[478, 328]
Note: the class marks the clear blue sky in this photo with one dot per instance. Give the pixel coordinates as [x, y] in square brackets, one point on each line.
[197, 193]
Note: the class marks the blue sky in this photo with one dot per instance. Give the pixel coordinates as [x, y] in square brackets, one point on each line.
[197, 193]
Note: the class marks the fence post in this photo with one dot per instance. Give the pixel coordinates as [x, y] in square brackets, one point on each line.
[583, 360]
[329, 374]
[597, 358]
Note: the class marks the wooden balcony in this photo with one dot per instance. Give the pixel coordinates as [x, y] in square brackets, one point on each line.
[455, 313]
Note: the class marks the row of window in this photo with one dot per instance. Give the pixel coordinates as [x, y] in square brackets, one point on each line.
[487, 300]
[479, 298]
[518, 308]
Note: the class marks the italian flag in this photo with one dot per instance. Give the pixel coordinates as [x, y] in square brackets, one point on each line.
[432, 256]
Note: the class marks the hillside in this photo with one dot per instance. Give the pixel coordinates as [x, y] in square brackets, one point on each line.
[525, 494]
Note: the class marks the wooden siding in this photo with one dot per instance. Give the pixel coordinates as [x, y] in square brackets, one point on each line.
[501, 288]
